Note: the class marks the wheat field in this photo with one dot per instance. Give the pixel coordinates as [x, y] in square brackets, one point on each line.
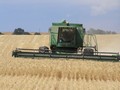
[56, 74]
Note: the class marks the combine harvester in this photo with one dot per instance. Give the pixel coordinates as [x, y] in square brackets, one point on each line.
[68, 40]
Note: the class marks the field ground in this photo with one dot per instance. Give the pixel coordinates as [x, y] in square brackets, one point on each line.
[56, 74]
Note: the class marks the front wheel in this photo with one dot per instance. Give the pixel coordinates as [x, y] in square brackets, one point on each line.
[88, 52]
[43, 49]
[53, 48]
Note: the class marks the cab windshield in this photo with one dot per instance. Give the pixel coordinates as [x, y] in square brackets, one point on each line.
[66, 34]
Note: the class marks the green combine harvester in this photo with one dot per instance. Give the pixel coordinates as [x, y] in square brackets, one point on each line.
[68, 40]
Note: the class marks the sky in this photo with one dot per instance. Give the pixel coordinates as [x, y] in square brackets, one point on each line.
[38, 15]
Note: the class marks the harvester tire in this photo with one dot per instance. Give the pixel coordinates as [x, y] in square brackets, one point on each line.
[88, 52]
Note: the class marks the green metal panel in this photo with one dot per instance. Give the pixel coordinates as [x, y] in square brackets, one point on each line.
[53, 35]
[80, 36]
[67, 24]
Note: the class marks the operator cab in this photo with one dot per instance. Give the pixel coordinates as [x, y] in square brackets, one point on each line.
[67, 37]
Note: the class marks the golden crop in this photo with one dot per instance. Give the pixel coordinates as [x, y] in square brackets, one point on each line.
[55, 74]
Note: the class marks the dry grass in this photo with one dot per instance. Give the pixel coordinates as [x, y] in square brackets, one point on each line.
[60, 74]
[109, 43]
[71, 69]
[49, 83]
